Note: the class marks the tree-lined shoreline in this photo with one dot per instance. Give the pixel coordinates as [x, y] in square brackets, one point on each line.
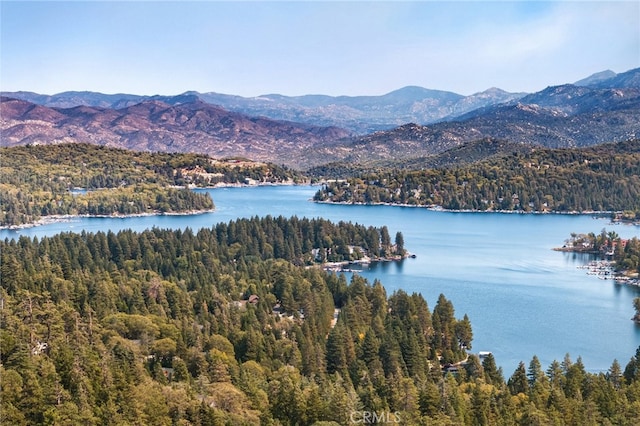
[40, 181]
[604, 178]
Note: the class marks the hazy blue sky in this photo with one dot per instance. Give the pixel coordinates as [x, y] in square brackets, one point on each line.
[296, 48]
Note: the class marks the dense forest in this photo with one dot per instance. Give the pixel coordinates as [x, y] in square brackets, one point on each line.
[467, 153]
[83, 179]
[601, 178]
[234, 325]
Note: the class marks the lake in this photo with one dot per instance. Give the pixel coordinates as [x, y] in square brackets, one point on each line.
[522, 297]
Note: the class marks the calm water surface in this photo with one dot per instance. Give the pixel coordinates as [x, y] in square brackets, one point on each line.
[522, 297]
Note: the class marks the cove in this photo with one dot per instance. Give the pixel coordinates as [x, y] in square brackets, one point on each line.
[522, 298]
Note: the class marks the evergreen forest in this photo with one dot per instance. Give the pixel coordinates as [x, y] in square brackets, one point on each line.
[238, 325]
[600, 178]
[37, 181]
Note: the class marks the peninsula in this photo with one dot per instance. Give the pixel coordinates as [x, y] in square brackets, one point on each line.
[619, 258]
[44, 183]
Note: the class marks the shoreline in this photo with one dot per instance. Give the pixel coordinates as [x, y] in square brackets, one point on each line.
[47, 220]
[52, 219]
[366, 260]
[434, 207]
[605, 270]
[248, 185]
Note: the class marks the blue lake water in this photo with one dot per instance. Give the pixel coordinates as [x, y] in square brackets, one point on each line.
[522, 297]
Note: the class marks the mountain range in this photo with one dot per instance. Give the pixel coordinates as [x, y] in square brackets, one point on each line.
[156, 126]
[358, 114]
[315, 129]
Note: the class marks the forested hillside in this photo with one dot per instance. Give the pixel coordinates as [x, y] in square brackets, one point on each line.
[468, 153]
[602, 178]
[220, 327]
[83, 179]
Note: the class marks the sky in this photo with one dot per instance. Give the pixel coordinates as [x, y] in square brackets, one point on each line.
[311, 47]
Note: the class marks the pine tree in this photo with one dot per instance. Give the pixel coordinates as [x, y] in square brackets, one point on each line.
[555, 373]
[464, 334]
[575, 379]
[480, 406]
[518, 382]
[492, 374]
[636, 306]
[430, 399]
[336, 352]
[400, 250]
[632, 369]
[534, 373]
[614, 374]
[370, 347]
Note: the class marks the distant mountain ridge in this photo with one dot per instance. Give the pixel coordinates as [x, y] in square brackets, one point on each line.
[359, 114]
[627, 80]
[596, 78]
[604, 107]
[522, 123]
[156, 126]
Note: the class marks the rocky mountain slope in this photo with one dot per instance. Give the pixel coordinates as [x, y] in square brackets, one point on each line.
[558, 116]
[604, 107]
[521, 123]
[359, 114]
[156, 126]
